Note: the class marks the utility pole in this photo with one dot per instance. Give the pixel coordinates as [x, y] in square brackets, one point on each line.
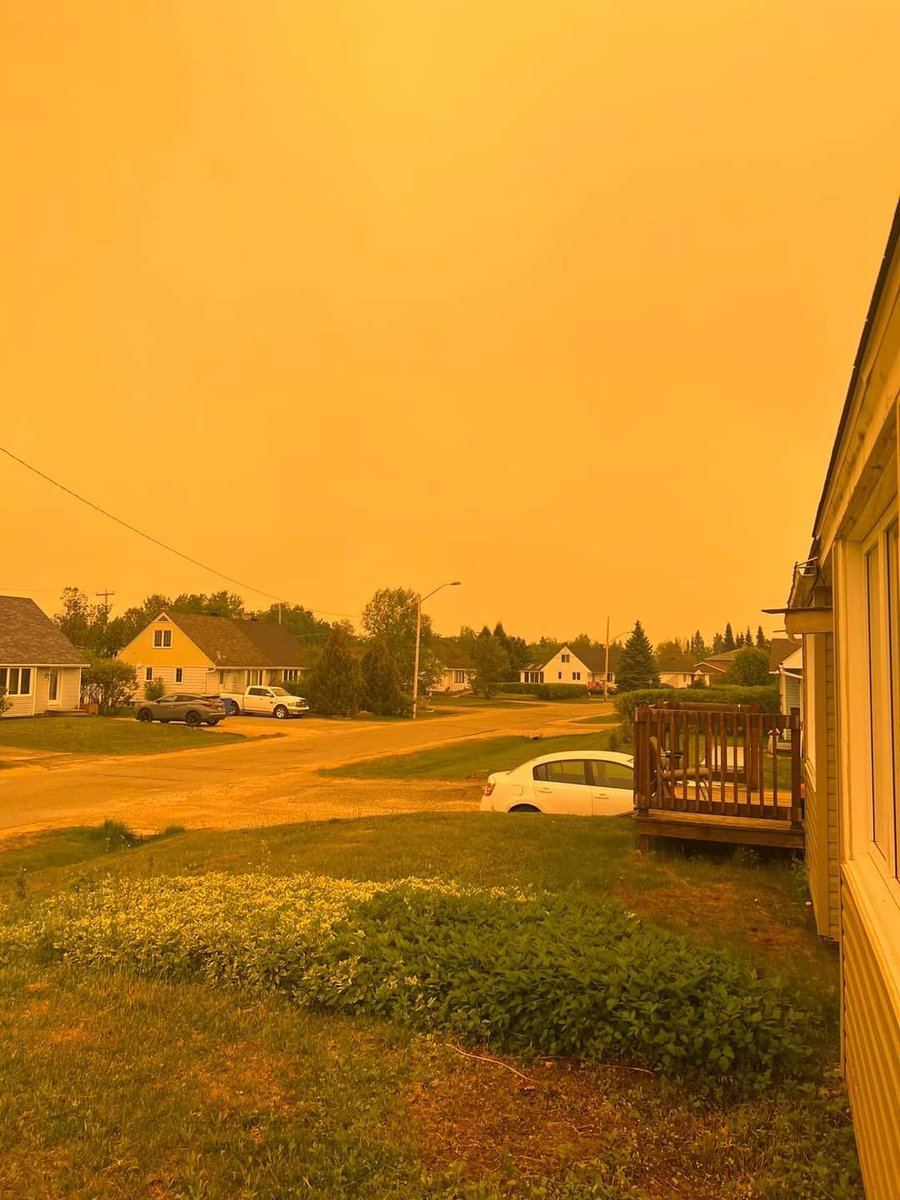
[606, 667]
[106, 595]
[419, 600]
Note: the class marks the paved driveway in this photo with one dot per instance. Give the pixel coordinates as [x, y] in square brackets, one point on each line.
[269, 781]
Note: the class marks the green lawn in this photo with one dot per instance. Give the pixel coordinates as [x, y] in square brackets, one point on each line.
[116, 1084]
[106, 735]
[470, 759]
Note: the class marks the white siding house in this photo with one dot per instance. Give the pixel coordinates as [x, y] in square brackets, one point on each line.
[40, 669]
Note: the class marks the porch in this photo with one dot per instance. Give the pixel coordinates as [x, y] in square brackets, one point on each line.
[729, 774]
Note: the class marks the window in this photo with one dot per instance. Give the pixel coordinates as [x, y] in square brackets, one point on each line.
[459, 677]
[16, 681]
[179, 674]
[291, 675]
[570, 770]
[258, 691]
[559, 674]
[162, 639]
[565, 658]
[576, 674]
[534, 676]
[883, 646]
[254, 678]
[613, 775]
[148, 674]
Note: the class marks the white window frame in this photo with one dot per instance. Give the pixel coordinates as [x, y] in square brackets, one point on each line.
[565, 658]
[162, 639]
[148, 674]
[13, 689]
[576, 675]
[179, 674]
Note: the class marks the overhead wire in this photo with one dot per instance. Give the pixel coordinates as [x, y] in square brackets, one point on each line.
[156, 541]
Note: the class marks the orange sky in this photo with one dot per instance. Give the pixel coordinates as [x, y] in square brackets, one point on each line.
[557, 298]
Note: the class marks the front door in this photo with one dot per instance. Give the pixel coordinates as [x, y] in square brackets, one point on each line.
[53, 688]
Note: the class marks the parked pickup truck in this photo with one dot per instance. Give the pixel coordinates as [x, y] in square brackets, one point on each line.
[266, 701]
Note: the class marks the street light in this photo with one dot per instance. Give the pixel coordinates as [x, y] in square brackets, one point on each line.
[419, 601]
[606, 667]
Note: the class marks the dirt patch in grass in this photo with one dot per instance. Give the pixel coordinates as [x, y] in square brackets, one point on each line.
[486, 1121]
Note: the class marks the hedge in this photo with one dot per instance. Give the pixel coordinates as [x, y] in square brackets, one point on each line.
[767, 699]
[546, 691]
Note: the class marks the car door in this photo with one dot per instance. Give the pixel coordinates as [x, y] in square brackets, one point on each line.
[613, 790]
[256, 700]
[563, 786]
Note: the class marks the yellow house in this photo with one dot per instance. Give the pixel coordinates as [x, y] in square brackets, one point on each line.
[208, 655]
[845, 603]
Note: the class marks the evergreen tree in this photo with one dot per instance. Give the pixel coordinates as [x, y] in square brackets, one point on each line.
[637, 666]
[698, 647]
[491, 665]
[335, 682]
[728, 640]
[748, 637]
[718, 643]
[739, 642]
[381, 690]
[761, 640]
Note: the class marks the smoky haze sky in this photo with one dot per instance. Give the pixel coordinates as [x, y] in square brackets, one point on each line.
[559, 299]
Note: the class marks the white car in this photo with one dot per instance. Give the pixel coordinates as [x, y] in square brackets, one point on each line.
[587, 783]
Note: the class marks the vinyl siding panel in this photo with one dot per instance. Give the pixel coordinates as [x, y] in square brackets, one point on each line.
[197, 680]
[871, 1007]
[69, 688]
[832, 919]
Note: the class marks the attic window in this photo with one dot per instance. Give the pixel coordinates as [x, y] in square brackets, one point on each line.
[162, 639]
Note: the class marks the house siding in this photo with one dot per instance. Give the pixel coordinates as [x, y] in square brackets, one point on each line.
[38, 702]
[199, 681]
[871, 1036]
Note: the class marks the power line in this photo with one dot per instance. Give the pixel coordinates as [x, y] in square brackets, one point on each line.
[171, 549]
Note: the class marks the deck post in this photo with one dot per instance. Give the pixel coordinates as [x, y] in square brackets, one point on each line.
[796, 772]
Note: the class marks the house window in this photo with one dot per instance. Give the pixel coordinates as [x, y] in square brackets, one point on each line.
[459, 677]
[291, 674]
[559, 674]
[15, 681]
[883, 644]
[576, 674]
[254, 678]
[162, 639]
[179, 674]
[148, 674]
[565, 658]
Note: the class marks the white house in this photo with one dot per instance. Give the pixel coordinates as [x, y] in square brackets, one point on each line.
[845, 603]
[457, 671]
[565, 665]
[40, 669]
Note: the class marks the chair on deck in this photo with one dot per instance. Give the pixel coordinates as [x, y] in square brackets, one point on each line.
[666, 774]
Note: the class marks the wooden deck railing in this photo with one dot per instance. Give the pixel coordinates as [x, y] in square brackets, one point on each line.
[718, 762]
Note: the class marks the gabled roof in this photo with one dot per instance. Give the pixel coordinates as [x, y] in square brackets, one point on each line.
[452, 655]
[779, 650]
[594, 660]
[29, 638]
[674, 662]
[231, 643]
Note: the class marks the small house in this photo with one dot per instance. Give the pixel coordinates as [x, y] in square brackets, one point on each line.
[40, 669]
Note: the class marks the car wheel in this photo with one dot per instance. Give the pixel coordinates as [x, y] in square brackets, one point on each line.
[524, 808]
[193, 719]
[145, 714]
[215, 721]
[234, 709]
[280, 712]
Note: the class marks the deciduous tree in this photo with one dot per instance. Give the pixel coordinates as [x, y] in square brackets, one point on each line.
[750, 668]
[491, 665]
[109, 683]
[390, 617]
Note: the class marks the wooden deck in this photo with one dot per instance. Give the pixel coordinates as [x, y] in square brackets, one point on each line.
[715, 775]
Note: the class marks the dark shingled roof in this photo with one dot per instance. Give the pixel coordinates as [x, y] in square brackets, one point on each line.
[779, 650]
[594, 660]
[29, 638]
[229, 643]
[452, 655]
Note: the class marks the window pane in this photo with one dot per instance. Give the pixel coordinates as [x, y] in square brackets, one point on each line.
[25, 682]
[880, 745]
[14, 681]
[615, 775]
[540, 771]
[570, 771]
[892, 569]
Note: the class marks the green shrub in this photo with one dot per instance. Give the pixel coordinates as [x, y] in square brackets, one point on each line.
[766, 698]
[526, 974]
[546, 691]
[154, 689]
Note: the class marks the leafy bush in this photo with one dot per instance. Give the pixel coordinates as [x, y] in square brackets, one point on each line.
[766, 698]
[109, 683]
[524, 973]
[154, 689]
[546, 691]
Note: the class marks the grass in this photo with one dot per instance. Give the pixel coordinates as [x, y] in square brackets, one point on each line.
[469, 759]
[105, 735]
[115, 1086]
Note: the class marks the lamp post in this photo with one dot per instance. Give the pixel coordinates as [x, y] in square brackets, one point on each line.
[419, 602]
[606, 667]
